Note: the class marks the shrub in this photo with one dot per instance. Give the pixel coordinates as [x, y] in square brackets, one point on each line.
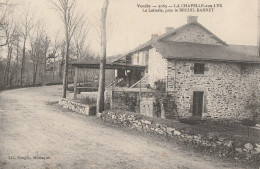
[160, 85]
[148, 86]
[169, 105]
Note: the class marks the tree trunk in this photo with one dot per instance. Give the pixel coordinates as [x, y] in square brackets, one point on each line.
[34, 76]
[35, 67]
[5, 70]
[17, 64]
[45, 61]
[35, 73]
[53, 70]
[22, 65]
[101, 86]
[60, 68]
[7, 66]
[65, 71]
[44, 70]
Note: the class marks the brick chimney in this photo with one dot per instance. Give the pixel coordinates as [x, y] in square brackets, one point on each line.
[169, 29]
[191, 19]
[154, 37]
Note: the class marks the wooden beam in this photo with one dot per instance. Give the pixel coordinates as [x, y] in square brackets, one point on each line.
[76, 81]
[110, 66]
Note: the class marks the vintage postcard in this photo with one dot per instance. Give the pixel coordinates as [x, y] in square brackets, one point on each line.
[140, 84]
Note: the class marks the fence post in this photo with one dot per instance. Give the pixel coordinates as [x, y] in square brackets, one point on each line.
[75, 82]
[140, 92]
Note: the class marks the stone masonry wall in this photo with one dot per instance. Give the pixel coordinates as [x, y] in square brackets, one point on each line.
[208, 142]
[157, 68]
[194, 34]
[85, 109]
[157, 65]
[128, 100]
[227, 87]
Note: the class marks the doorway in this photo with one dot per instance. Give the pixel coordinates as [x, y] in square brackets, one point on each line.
[197, 104]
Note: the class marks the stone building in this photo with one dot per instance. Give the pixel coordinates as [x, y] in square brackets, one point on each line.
[209, 78]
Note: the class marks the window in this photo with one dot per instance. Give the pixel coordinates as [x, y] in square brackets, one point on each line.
[199, 68]
[137, 59]
[146, 57]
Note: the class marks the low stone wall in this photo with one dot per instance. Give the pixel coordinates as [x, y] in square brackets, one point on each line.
[208, 142]
[78, 107]
[128, 99]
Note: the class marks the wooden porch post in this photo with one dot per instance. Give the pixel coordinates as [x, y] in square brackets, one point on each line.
[76, 81]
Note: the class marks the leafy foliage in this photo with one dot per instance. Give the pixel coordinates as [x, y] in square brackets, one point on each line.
[253, 108]
[168, 102]
[160, 85]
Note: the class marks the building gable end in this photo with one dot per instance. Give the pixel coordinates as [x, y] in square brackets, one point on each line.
[194, 33]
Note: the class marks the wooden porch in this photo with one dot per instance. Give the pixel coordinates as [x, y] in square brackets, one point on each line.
[115, 66]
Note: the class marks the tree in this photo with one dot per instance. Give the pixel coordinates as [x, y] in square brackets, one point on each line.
[55, 45]
[101, 87]
[5, 8]
[10, 32]
[71, 21]
[27, 23]
[45, 46]
[17, 60]
[79, 40]
[61, 67]
[37, 51]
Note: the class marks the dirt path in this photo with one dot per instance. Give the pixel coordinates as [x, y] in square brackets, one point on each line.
[31, 129]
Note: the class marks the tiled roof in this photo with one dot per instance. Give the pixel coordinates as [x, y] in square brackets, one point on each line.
[194, 51]
[141, 47]
[161, 37]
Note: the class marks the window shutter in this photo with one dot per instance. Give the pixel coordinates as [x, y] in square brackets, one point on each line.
[206, 68]
[191, 68]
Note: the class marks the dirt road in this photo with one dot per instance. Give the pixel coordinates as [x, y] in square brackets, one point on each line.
[35, 133]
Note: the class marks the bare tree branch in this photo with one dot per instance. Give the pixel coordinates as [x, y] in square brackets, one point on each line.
[71, 21]
[27, 23]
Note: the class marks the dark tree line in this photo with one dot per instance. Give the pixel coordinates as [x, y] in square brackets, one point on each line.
[30, 56]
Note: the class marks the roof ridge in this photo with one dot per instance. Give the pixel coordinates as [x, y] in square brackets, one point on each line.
[188, 43]
[161, 37]
[185, 25]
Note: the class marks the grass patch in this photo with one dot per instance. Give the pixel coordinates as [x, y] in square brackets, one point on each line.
[228, 130]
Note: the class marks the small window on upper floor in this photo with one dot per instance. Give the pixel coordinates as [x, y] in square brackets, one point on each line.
[199, 68]
[137, 59]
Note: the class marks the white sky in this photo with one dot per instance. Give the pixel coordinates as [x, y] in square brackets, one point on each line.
[128, 27]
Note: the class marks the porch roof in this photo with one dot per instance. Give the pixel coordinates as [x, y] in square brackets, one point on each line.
[109, 66]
